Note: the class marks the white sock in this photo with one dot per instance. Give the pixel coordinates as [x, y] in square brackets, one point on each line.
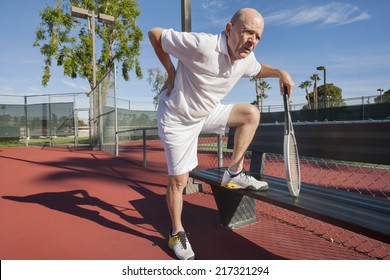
[233, 173]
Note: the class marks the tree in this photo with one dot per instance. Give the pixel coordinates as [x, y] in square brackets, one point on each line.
[333, 97]
[315, 78]
[156, 78]
[384, 99]
[120, 39]
[305, 85]
[260, 86]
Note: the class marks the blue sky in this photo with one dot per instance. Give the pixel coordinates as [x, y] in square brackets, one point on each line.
[351, 38]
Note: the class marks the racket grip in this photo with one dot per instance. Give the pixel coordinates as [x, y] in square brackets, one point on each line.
[285, 100]
[285, 90]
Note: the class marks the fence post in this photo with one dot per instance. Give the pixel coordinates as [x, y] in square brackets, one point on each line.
[116, 116]
[50, 123]
[75, 122]
[220, 150]
[99, 117]
[90, 119]
[129, 119]
[26, 132]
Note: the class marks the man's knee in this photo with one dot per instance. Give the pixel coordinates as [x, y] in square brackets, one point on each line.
[252, 114]
[178, 183]
[255, 114]
[243, 114]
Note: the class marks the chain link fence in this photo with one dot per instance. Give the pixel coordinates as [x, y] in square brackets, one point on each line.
[330, 103]
[52, 119]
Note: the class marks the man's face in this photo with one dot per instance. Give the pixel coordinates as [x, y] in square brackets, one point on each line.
[243, 36]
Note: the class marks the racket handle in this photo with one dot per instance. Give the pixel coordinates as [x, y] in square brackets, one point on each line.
[285, 99]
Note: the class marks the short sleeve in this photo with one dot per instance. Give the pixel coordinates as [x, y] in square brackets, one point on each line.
[181, 45]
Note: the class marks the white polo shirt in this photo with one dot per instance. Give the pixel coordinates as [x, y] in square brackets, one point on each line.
[204, 74]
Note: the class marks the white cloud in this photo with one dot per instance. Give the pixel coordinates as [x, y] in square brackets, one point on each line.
[212, 4]
[334, 13]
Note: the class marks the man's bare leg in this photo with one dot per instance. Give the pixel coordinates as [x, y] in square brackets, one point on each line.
[178, 241]
[174, 197]
[245, 118]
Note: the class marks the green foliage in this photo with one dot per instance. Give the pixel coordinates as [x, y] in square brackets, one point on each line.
[332, 98]
[156, 78]
[118, 41]
[260, 87]
[384, 99]
[305, 85]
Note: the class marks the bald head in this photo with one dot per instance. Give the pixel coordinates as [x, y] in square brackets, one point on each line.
[243, 33]
[247, 14]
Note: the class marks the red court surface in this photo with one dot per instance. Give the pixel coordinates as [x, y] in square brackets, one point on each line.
[74, 203]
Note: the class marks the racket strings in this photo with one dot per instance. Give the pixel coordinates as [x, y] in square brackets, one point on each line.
[294, 163]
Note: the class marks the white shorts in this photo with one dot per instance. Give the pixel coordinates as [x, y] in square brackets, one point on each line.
[180, 140]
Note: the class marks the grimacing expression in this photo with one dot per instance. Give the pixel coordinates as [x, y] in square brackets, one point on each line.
[243, 36]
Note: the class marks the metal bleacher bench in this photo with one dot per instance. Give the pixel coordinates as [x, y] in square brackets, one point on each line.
[367, 142]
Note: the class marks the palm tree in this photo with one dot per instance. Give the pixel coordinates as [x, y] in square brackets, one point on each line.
[305, 85]
[315, 78]
[261, 86]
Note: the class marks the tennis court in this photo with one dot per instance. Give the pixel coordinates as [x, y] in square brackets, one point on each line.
[76, 203]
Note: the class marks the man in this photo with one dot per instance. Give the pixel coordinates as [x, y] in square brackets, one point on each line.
[208, 67]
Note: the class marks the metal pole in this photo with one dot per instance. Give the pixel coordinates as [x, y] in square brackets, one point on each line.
[90, 119]
[91, 16]
[50, 124]
[380, 94]
[92, 19]
[325, 91]
[116, 115]
[220, 151]
[96, 99]
[186, 15]
[75, 122]
[323, 68]
[129, 120]
[99, 118]
[26, 122]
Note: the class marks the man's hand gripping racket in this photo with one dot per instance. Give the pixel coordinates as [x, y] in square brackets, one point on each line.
[290, 151]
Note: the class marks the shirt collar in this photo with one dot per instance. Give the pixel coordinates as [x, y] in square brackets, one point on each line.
[222, 43]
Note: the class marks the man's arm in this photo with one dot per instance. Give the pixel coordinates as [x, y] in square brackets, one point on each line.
[155, 39]
[268, 71]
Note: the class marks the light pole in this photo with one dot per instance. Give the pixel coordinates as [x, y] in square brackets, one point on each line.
[380, 93]
[91, 16]
[323, 68]
[186, 15]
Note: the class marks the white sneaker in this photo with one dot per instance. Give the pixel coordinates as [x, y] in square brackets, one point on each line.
[180, 246]
[242, 181]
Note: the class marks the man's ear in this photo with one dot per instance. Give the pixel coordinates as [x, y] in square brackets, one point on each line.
[228, 28]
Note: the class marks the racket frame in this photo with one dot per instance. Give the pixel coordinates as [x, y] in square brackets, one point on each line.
[289, 135]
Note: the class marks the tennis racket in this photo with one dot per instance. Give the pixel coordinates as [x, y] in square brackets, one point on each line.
[290, 151]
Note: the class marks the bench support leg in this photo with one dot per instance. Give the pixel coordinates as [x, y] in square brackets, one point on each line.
[192, 187]
[234, 209]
